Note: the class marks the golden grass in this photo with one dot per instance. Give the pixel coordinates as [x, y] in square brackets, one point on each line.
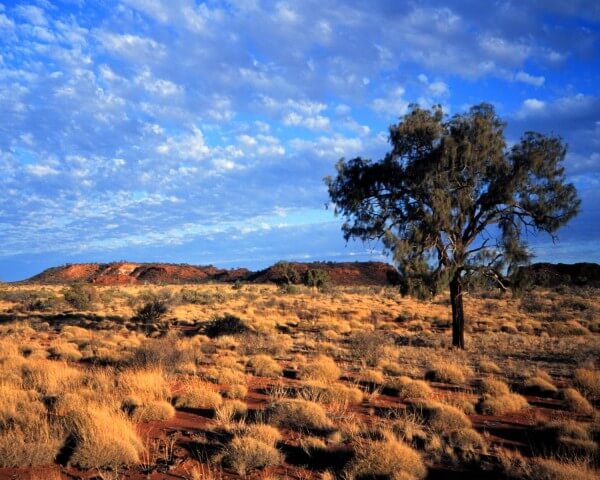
[327, 339]
[410, 390]
[299, 414]
[500, 404]
[320, 368]
[265, 366]
[197, 394]
[448, 372]
[576, 402]
[388, 458]
[245, 454]
[103, 438]
[589, 382]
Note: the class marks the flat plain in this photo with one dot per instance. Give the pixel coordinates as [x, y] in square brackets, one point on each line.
[260, 381]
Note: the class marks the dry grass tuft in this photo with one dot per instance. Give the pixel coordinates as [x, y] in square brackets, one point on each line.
[588, 381]
[441, 417]
[321, 368]
[262, 432]
[501, 404]
[103, 438]
[540, 384]
[448, 372]
[198, 394]
[333, 393]
[388, 458]
[245, 454]
[576, 402]
[410, 390]
[550, 469]
[158, 410]
[265, 366]
[299, 414]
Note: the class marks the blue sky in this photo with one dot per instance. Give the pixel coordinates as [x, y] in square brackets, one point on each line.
[180, 131]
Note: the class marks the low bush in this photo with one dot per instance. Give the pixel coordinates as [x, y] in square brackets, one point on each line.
[226, 325]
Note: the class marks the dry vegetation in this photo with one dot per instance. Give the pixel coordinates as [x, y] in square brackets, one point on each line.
[214, 382]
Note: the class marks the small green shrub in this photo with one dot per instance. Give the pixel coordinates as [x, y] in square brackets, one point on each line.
[79, 296]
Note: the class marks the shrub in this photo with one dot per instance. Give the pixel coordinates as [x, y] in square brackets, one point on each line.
[387, 458]
[369, 347]
[152, 311]
[245, 454]
[265, 366]
[226, 325]
[298, 414]
[317, 278]
[321, 368]
[79, 297]
[158, 353]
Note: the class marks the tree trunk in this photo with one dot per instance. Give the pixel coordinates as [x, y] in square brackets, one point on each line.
[458, 318]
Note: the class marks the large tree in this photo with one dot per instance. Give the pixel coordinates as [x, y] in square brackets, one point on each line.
[451, 199]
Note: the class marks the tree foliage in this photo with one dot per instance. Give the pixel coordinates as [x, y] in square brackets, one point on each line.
[451, 199]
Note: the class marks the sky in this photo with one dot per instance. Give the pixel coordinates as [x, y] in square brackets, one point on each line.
[200, 132]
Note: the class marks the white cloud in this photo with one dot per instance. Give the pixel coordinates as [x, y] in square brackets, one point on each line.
[531, 106]
[186, 146]
[33, 14]
[394, 104]
[41, 170]
[525, 77]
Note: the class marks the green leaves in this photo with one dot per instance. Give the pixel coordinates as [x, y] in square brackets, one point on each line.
[450, 197]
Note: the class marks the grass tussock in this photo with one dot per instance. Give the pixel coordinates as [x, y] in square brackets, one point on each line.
[265, 366]
[409, 390]
[198, 394]
[448, 372]
[299, 414]
[440, 416]
[321, 368]
[575, 402]
[103, 438]
[588, 380]
[387, 458]
[245, 454]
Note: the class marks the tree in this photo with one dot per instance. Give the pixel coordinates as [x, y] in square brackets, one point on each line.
[451, 199]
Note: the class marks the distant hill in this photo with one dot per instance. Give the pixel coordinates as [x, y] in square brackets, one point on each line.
[129, 273]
